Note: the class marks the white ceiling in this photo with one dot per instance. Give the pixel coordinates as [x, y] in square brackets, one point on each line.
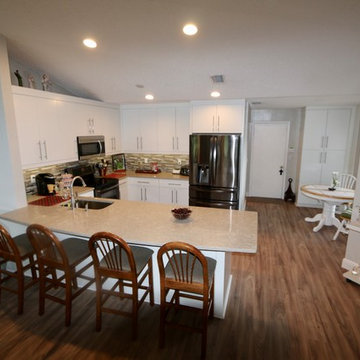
[280, 52]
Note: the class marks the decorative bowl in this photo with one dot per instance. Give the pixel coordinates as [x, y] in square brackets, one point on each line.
[181, 213]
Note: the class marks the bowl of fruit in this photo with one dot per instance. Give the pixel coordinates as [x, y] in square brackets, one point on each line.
[181, 213]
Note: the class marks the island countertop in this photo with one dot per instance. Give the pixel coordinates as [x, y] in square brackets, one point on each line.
[149, 224]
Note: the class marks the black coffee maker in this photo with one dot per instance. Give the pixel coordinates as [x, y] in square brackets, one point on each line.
[42, 182]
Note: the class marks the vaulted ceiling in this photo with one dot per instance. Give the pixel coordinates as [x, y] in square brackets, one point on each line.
[294, 52]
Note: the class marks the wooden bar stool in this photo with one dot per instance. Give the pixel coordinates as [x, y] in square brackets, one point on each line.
[129, 266]
[17, 250]
[65, 256]
[188, 274]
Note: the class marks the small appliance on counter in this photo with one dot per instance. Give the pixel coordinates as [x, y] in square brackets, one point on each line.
[185, 170]
[45, 183]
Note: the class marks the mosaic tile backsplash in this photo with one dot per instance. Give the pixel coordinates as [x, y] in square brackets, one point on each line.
[166, 162]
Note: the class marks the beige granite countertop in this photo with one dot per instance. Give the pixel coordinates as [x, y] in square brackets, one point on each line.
[150, 224]
[161, 175]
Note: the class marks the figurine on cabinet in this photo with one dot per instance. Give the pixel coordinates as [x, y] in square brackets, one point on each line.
[19, 78]
[45, 81]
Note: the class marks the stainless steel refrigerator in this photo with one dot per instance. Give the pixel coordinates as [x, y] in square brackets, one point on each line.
[214, 170]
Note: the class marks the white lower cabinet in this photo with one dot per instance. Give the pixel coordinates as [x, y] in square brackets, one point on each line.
[143, 189]
[174, 192]
[123, 187]
[158, 190]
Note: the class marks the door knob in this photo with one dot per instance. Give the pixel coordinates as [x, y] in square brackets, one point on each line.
[281, 170]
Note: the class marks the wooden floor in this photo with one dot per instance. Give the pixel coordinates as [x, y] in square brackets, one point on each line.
[289, 301]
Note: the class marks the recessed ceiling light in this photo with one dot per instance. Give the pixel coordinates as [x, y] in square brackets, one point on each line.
[215, 94]
[90, 43]
[190, 29]
[149, 97]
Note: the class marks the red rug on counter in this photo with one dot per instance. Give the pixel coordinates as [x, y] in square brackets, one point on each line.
[48, 201]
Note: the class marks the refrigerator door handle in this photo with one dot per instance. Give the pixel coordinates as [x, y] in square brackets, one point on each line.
[214, 144]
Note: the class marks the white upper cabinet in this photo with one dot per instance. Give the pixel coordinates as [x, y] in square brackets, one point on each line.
[218, 117]
[49, 123]
[139, 129]
[155, 128]
[40, 127]
[174, 129]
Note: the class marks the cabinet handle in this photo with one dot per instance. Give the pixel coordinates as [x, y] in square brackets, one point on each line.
[173, 143]
[327, 141]
[93, 125]
[325, 156]
[141, 147]
[145, 195]
[176, 200]
[45, 149]
[141, 194]
[40, 151]
[321, 156]
[172, 196]
[218, 123]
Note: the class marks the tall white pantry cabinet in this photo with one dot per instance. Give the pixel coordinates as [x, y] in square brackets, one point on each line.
[328, 145]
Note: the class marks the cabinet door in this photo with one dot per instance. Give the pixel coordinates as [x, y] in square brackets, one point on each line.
[27, 123]
[148, 139]
[314, 130]
[182, 196]
[123, 186]
[166, 127]
[203, 118]
[334, 160]
[134, 192]
[182, 130]
[174, 192]
[229, 119]
[151, 193]
[311, 165]
[130, 130]
[337, 128]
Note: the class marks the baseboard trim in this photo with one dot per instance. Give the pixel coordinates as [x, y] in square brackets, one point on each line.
[348, 264]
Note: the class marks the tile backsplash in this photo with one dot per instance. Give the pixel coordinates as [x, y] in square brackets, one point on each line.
[166, 162]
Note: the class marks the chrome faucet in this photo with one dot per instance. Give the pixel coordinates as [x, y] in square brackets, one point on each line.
[73, 200]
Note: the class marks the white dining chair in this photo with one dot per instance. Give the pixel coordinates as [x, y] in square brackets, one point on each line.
[347, 181]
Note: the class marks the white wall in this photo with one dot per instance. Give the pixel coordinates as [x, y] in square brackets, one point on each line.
[294, 116]
[12, 190]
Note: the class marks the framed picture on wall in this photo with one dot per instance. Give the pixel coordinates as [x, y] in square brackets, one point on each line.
[118, 162]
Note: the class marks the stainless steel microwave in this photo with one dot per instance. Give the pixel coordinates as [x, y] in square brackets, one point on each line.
[89, 146]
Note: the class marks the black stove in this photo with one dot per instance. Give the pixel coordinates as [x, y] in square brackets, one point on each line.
[104, 188]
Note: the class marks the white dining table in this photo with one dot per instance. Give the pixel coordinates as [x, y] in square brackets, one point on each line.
[330, 199]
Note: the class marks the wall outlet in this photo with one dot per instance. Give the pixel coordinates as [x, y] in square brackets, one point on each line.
[32, 179]
[179, 161]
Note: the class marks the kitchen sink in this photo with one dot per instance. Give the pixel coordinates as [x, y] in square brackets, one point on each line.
[91, 204]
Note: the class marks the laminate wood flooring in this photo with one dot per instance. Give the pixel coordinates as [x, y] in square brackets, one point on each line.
[288, 301]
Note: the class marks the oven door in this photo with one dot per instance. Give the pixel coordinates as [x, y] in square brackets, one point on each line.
[89, 146]
[112, 192]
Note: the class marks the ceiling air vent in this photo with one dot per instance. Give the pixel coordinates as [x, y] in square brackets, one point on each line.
[217, 78]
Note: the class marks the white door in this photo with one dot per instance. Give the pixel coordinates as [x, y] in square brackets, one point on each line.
[268, 157]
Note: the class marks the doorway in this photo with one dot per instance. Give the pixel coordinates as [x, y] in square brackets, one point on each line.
[269, 148]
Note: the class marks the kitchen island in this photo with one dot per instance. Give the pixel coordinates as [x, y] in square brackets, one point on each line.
[217, 232]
